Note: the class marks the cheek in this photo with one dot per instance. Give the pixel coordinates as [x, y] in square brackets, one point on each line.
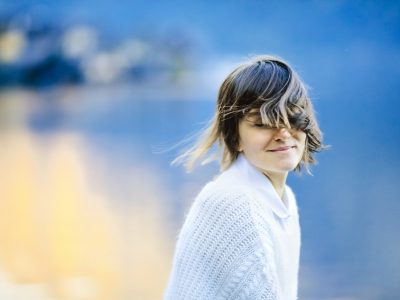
[260, 141]
[302, 140]
[254, 141]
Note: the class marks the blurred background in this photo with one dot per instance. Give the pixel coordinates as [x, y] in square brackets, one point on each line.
[93, 93]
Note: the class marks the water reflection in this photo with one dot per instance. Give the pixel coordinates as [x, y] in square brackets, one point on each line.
[64, 233]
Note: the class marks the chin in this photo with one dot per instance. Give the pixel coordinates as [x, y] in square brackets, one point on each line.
[286, 168]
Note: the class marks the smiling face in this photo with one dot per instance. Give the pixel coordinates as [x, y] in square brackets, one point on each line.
[274, 151]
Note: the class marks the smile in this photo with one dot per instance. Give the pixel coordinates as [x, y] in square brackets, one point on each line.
[282, 149]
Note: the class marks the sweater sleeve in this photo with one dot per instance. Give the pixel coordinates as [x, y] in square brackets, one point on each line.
[219, 253]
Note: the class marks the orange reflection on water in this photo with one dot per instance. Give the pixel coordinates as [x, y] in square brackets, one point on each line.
[64, 240]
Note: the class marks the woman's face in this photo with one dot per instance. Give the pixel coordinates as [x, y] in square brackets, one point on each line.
[271, 150]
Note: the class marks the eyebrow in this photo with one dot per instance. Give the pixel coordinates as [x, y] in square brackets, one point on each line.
[253, 116]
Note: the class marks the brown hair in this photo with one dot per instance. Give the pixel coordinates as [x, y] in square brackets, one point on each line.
[269, 85]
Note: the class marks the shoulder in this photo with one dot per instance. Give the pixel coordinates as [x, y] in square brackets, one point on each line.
[222, 199]
[219, 212]
[228, 185]
[290, 192]
[218, 223]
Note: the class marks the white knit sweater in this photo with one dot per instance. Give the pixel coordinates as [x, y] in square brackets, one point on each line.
[239, 241]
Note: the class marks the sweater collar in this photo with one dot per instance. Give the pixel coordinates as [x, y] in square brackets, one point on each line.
[256, 179]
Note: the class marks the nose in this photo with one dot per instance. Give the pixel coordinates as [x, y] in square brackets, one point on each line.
[282, 134]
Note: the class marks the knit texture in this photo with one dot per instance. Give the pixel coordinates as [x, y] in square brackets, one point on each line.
[234, 246]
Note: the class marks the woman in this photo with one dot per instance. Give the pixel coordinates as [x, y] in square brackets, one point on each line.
[241, 238]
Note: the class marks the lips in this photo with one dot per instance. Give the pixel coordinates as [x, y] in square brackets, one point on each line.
[281, 149]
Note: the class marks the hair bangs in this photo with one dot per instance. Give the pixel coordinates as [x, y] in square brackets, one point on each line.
[288, 107]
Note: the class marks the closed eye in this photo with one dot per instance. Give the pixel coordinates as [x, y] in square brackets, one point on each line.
[258, 123]
[261, 125]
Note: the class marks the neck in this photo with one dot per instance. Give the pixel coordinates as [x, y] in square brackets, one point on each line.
[278, 181]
